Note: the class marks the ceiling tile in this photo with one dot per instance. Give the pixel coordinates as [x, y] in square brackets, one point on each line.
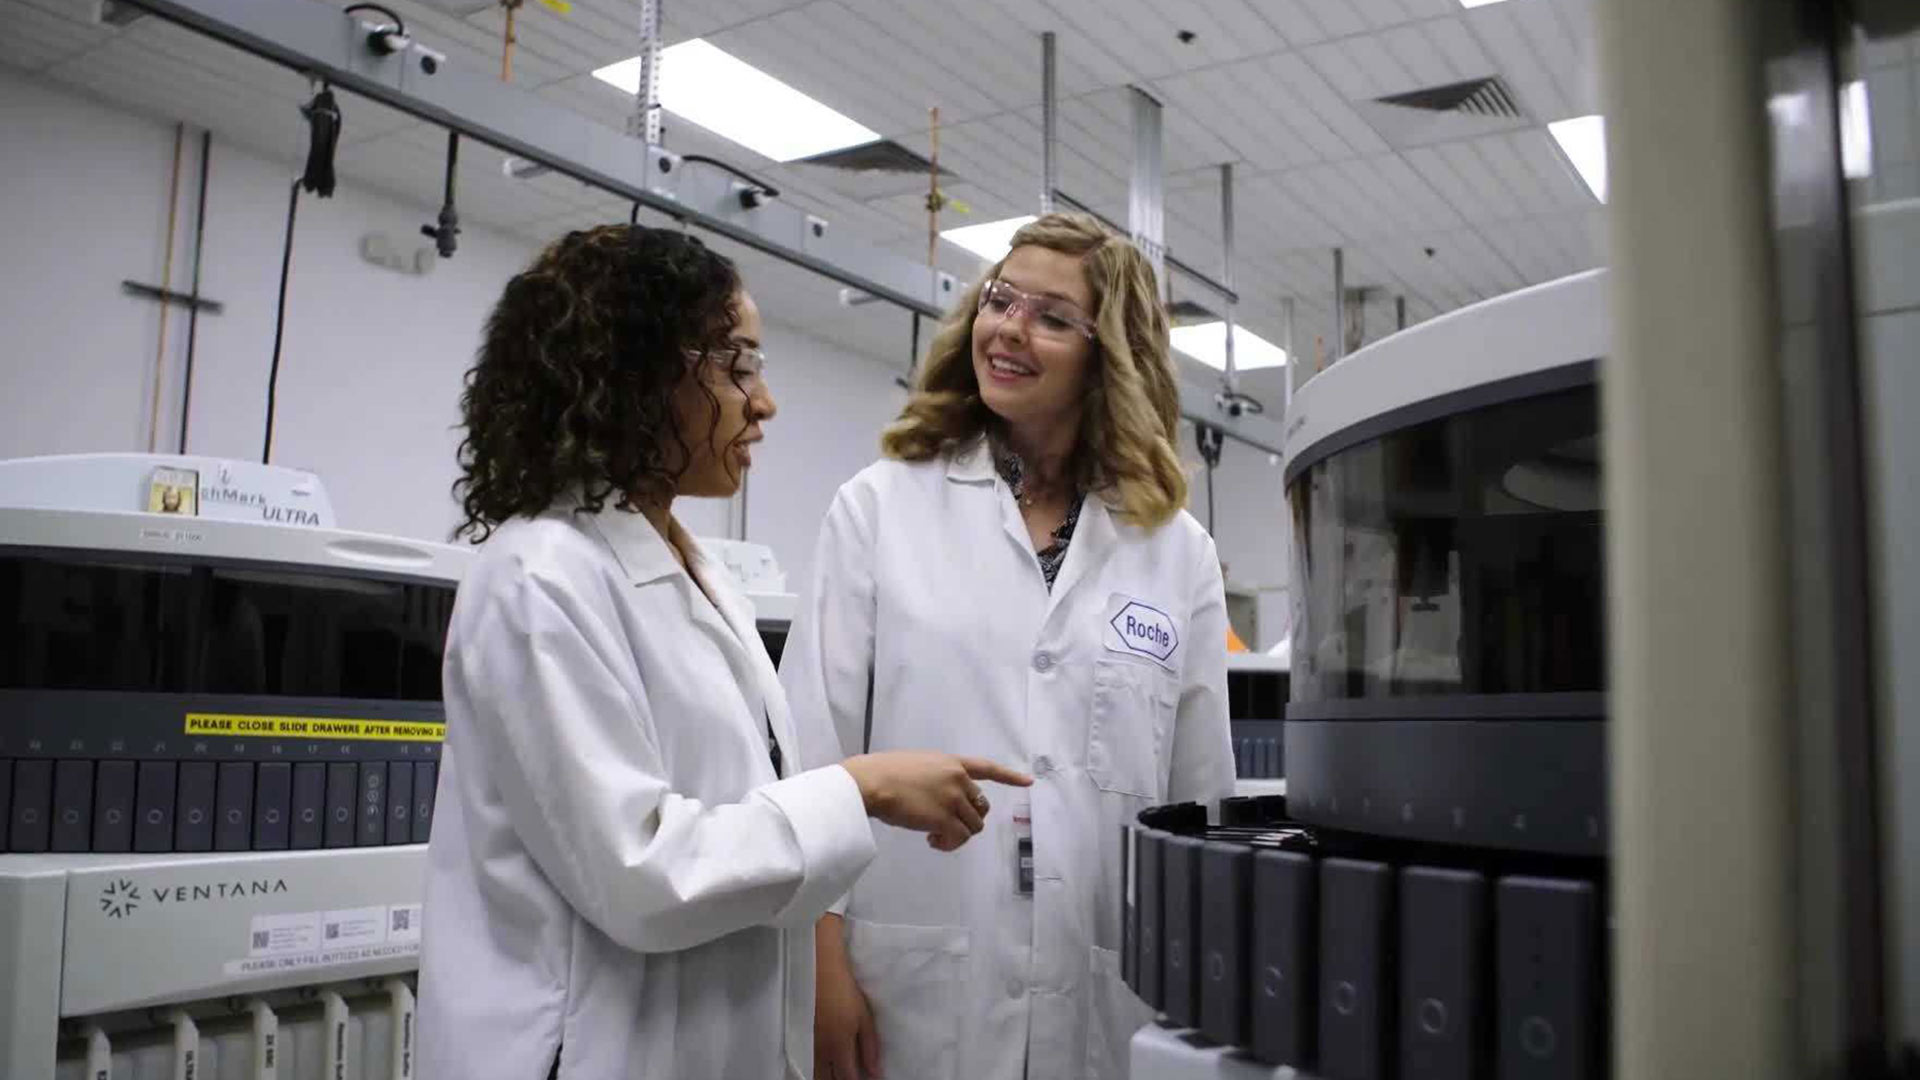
[1339, 18]
[1323, 119]
[1498, 29]
[1292, 19]
[1529, 193]
[1436, 165]
[1382, 13]
[1451, 39]
[1416, 51]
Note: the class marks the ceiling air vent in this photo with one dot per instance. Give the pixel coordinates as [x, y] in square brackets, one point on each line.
[882, 169]
[1188, 313]
[1436, 114]
[1487, 97]
[881, 155]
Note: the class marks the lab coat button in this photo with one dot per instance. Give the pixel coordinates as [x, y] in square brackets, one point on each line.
[1016, 988]
[1042, 765]
[1043, 662]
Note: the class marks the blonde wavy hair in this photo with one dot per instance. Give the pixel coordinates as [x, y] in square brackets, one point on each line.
[1126, 450]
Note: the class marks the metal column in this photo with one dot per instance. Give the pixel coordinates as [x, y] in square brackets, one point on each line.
[1339, 304]
[1293, 357]
[1226, 268]
[1146, 214]
[1049, 116]
[644, 124]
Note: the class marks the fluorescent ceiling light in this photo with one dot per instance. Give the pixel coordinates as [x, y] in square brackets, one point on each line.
[992, 240]
[1856, 132]
[1479, 3]
[1584, 140]
[1207, 343]
[737, 101]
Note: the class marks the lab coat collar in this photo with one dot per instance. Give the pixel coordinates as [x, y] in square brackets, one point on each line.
[971, 462]
[646, 557]
[1093, 537]
[639, 548]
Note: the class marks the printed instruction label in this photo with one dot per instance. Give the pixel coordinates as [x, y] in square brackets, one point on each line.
[313, 727]
[283, 935]
[353, 928]
[298, 941]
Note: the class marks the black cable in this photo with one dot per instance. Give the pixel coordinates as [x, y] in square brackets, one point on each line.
[634, 218]
[193, 308]
[399, 24]
[913, 357]
[323, 120]
[1209, 440]
[756, 183]
[279, 325]
[446, 235]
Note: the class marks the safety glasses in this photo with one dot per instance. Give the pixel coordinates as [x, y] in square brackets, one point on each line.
[1047, 316]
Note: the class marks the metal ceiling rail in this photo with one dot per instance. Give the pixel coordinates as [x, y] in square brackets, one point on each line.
[1187, 270]
[321, 42]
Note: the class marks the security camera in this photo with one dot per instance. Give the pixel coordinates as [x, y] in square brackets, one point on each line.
[1237, 405]
[430, 60]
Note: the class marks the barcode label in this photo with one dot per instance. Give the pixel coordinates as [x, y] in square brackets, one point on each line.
[283, 935]
[403, 922]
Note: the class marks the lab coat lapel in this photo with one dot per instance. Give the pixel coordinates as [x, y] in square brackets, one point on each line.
[746, 651]
[648, 560]
[973, 464]
[1094, 539]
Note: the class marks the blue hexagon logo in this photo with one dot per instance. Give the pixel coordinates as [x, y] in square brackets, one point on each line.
[1146, 630]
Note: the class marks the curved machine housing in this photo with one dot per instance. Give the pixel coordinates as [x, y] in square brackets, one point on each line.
[1428, 897]
[1449, 660]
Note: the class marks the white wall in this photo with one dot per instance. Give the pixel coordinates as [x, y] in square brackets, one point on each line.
[1250, 526]
[82, 206]
[372, 361]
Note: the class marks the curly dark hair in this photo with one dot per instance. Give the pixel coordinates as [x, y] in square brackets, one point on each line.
[573, 388]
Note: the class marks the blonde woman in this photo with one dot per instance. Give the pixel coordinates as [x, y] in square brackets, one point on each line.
[1016, 580]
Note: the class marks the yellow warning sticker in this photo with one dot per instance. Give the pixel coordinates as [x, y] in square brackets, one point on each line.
[313, 727]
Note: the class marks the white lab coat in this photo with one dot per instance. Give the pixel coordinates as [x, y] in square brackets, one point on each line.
[615, 866]
[926, 579]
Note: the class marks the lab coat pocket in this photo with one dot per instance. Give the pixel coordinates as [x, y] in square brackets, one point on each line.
[915, 979]
[1116, 1013]
[1133, 706]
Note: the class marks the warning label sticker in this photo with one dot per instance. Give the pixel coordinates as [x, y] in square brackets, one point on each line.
[313, 727]
[267, 965]
[317, 939]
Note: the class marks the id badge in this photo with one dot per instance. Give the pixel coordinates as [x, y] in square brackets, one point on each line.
[1023, 849]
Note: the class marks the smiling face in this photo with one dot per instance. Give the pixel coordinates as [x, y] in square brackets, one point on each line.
[1032, 353]
[720, 445]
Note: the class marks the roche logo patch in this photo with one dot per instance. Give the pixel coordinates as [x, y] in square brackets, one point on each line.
[1147, 631]
[120, 898]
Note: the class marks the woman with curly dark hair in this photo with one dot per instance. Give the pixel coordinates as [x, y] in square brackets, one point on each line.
[627, 860]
